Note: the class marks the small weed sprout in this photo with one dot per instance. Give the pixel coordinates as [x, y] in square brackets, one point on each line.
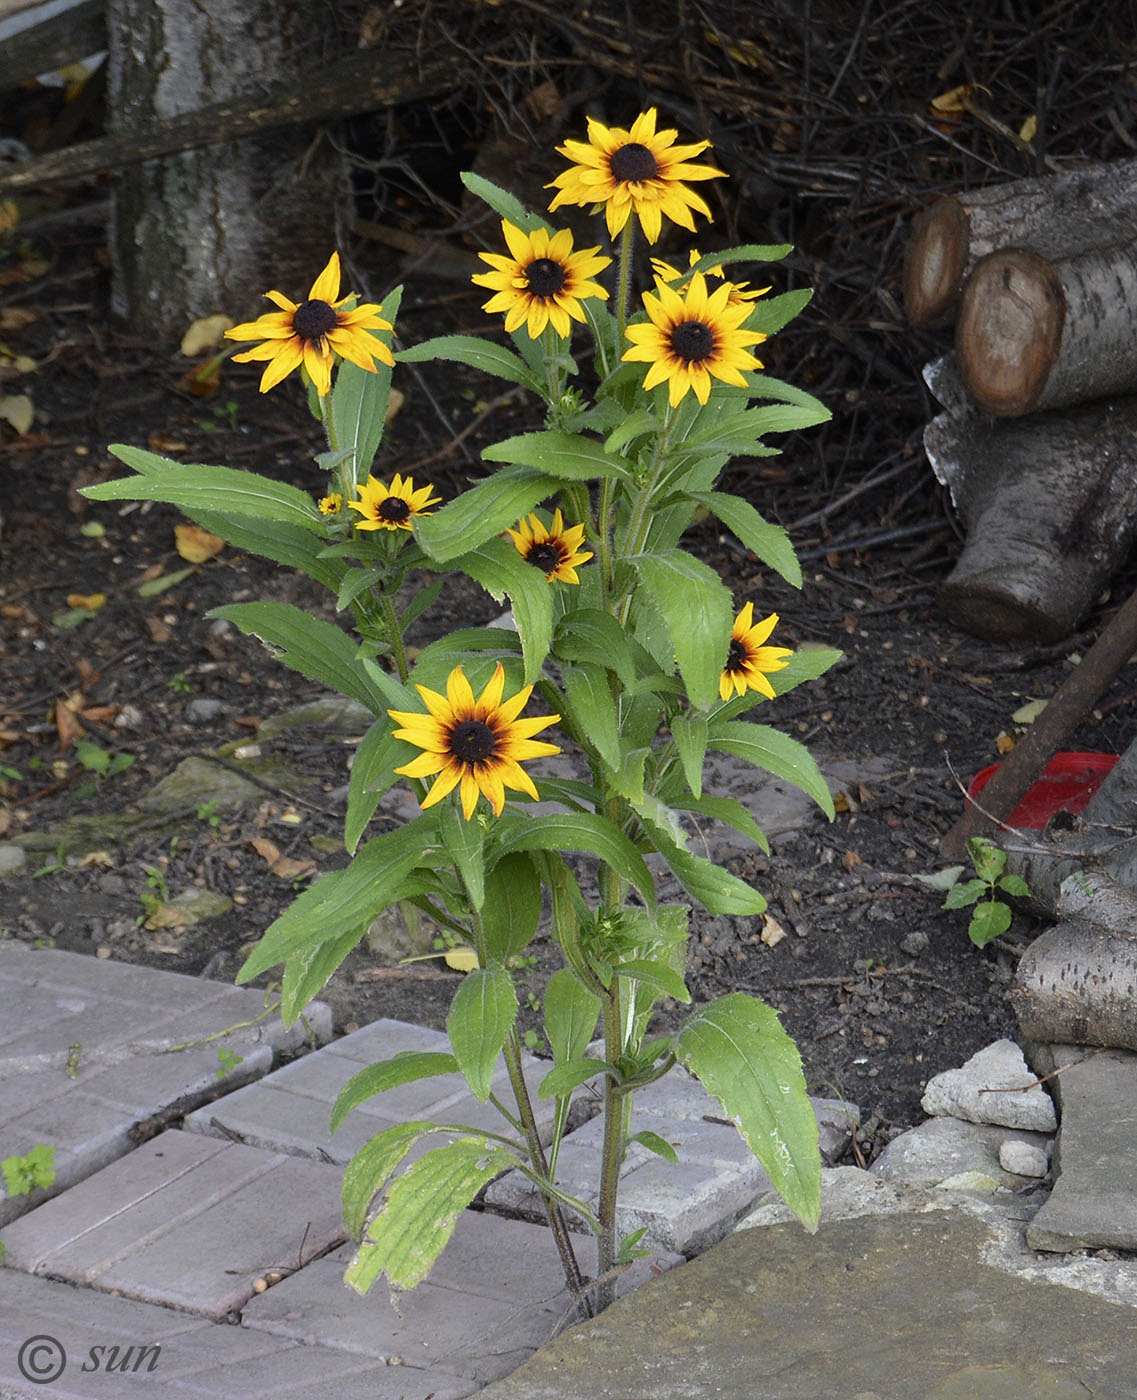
[991, 916]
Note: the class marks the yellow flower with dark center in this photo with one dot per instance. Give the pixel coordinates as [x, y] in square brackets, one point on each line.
[313, 332]
[740, 292]
[477, 744]
[542, 280]
[640, 170]
[331, 504]
[555, 551]
[391, 507]
[691, 337]
[748, 661]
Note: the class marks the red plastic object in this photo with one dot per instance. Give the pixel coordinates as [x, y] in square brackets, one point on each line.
[1067, 784]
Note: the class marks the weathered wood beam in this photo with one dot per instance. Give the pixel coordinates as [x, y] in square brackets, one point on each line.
[57, 39]
[359, 83]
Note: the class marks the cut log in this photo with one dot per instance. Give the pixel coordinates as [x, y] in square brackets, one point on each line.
[1077, 985]
[1057, 216]
[1036, 333]
[1048, 505]
[48, 38]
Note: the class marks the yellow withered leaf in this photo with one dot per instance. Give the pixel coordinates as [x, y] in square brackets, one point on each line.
[204, 334]
[195, 544]
[461, 958]
[89, 602]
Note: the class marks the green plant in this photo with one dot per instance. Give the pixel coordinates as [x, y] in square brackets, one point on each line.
[22, 1175]
[99, 761]
[179, 683]
[223, 416]
[207, 812]
[633, 646]
[155, 895]
[57, 862]
[227, 1061]
[991, 915]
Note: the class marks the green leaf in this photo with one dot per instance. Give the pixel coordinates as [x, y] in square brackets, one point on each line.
[777, 753]
[571, 1013]
[481, 1016]
[219, 489]
[372, 773]
[389, 1074]
[512, 907]
[292, 545]
[346, 900]
[569, 1076]
[590, 634]
[1014, 885]
[360, 397]
[964, 894]
[568, 456]
[371, 1167]
[422, 1207]
[744, 252]
[501, 570]
[654, 974]
[463, 842]
[697, 608]
[771, 313]
[715, 888]
[654, 1143]
[727, 810]
[503, 203]
[989, 860]
[990, 919]
[769, 542]
[690, 734]
[307, 972]
[153, 587]
[483, 511]
[483, 355]
[630, 427]
[586, 831]
[592, 710]
[738, 1049]
[308, 644]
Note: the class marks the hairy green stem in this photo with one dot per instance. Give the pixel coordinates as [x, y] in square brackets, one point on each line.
[612, 1150]
[627, 243]
[395, 636]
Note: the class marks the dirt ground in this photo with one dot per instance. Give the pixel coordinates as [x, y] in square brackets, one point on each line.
[879, 986]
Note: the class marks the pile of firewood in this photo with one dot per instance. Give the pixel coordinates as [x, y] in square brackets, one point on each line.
[1038, 439]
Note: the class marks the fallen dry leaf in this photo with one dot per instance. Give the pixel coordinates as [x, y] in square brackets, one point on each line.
[17, 410]
[203, 379]
[851, 860]
[67, 725]
[89, 602]
[205, 333]
[157, 442]
[15, 318]
[158, 630]
[284, 867]
[195, 544]
[1004, 743]
[772, 931]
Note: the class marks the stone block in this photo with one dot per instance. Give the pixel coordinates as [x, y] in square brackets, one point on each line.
[994, 1086]
[941, 1152]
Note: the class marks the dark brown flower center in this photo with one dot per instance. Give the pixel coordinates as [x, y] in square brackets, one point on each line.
[545, 556]
[545, 277]
[633, 163]
[737, 656]
[472, 741]
[394, 509]
[312, 320]
[692, 341]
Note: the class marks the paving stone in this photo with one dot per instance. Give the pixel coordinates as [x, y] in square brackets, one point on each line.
[496, 1293]
[896, 1307]
[1094, 1201]
[949, 1153]
[991, 1088]
[88, 1050]
[186, 1221]
[290, 1110]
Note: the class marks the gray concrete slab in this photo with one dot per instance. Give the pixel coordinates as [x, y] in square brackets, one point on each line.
[114, 1348]
[899, 1307]
[89, 1049]
[185, 1221]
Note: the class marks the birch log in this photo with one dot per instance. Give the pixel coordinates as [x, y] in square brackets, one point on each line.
[1036, 333]
[1057, 216]
[1048, 504]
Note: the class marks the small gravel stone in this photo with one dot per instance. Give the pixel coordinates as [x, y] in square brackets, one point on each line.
[914, 943]
[203, 710]
[12, 859]
[1022, 1158]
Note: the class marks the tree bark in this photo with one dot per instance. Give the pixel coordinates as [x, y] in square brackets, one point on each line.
[1048, 505]
[1057, 216]
[208, 231]
[1036, 334]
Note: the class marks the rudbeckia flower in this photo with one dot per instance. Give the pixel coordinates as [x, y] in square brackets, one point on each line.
[748, 661]
[555, 551]
[475, 745]
[391, 507]
[313, 333]
[542, 280]
[641, 169]
[331, 504]
[740, 292]
[691, 337]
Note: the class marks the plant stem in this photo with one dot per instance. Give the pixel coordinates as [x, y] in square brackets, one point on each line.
[394, 635]
[627, 243]
[612, 1152]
